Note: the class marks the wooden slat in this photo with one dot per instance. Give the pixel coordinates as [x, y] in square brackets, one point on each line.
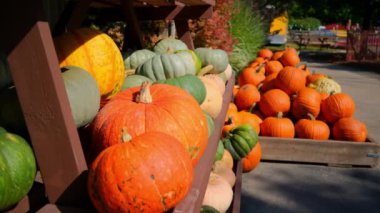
[184, 34]
[193, 201]
[195, 12]
[158, 13]
[322, 152]
[47, 113]
[78, 14]
[133, 36]
[235, 206]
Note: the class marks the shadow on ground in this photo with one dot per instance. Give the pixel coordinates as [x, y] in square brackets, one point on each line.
[276, 187]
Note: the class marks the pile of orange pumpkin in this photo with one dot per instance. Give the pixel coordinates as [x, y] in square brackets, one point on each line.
[280, 97]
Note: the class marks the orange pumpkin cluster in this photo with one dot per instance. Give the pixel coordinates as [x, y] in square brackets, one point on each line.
[273, 96]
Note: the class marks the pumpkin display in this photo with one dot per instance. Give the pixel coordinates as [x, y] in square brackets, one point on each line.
[83, 94]
[210, 124]
[247, 97]
[189, 83]
[290, 58]
[137, 58]
[326, 85]
[159, 107]
[273, 67]
[265, 53]
[251, 75]
[218, 193]
[213, 101]
[17, 169]
[240, 140]
[96, 53]
[307, 101]
[134, 81]
[350, 129]
[217, 58]
[252, 160]
[312, 129]
[338, 106]
[169, 44]
[165, 66]
[290, 80]
[273, 102]
[277, 127]
[149, 173]
[5, 73]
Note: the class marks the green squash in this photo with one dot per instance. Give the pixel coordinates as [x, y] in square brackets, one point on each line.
[165, 66]
[17, 169]
[219, 151]
[83, 93]
[133, 81]
[191, 84]
[5, 74]
[216, 57]
[210, 124]
[240, 140]
[137, 58]
[169, 44]
[190, 56]
[208, 209]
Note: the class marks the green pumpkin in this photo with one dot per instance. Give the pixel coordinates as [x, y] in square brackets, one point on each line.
[216, 57]
[137, 58]
[219, 151]
[165, 66]
[17, 169]
[208, 209]
[169, 44]
[191, 84]
[240, 140]
[133, 81]
[210, 124]
[189, 55]
[5, 74]
[83, 93]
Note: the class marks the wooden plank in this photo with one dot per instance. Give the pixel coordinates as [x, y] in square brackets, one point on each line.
[47, 113]
[184, 34]
[322, 152]
[195, 12]
[133, 37]
[51, 208]
[235, 206]
[78, 14]
[193, 201]
[158, 13]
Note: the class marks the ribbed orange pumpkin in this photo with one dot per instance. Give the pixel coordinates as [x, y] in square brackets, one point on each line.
[150, 173]
[95, 52]
[273, 67]
[162, 108]
[247, 96]
[350, 129]
[338, 106]
[307, 101]
[273, 102]
[290, 80]
[290, 58]
[265, 53]
[312, 129]
[252, 160]
[251, 75]
[277, 127]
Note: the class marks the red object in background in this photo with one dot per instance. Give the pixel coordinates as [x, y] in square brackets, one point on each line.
[335, 27]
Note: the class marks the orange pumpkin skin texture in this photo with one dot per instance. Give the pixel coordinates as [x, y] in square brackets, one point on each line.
[273, 67]
[95, 52]
[312, 129]
[251, 119]
[171, 110]
[151, 173]
[265, 53]
[314, 77]
[247, 96]
[231, 111]
[251, 75]
[307, 101]
[304, 69]
[290, 80]
[277, 55]
[324, 96]
[252, 160]
[350, 129]
[273, 102]
[290, 58]
[269, 82]
[277, 127]
[338, 106]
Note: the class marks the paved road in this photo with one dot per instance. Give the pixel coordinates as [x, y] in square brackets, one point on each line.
[286, 187]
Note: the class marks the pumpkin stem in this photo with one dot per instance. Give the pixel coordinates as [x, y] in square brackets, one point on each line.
[144, 95]
[259, 68]
[129, 72]
[279, 115]
[170, 50]
[311, 116]
[205, 70]
[252, 107]
[125, 137]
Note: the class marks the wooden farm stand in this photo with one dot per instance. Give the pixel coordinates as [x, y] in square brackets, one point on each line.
[27, 40]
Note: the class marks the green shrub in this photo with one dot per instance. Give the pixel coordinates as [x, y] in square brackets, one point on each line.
[308, 23]
[247, 29]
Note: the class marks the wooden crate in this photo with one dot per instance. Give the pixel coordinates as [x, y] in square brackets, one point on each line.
[330, 152]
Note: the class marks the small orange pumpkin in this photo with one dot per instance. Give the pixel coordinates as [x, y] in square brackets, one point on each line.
[350, 129]
[290, 58]
[265, 53]
[247, 97]
[290, 80]
[307, 101]
[251, 75]
[312, 129]
[303, 67]
[337, 106]
[273, 67]
[277, 127]
[252, 160]
[273, 102]
[277, 55]
[314, 77]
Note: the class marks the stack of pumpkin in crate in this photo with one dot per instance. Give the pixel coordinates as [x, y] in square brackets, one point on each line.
[288, 101]
[145, 132]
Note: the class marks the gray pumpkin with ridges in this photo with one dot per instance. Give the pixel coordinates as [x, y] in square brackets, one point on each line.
[17, 169]
[165, 66]
[83, 94]
[216, 57]
[133, 81]
[137, 58]
[169, 44]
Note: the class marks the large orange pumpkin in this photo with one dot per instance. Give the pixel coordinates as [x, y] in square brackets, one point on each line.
[338, 106]
[290, 80]
[312, 129]
[307, 101]
[350, 129]
[273, 102]
[247, 96]
[277, 127]
[160, 107]
[95, 52]
[150, 173]
[252, 160]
